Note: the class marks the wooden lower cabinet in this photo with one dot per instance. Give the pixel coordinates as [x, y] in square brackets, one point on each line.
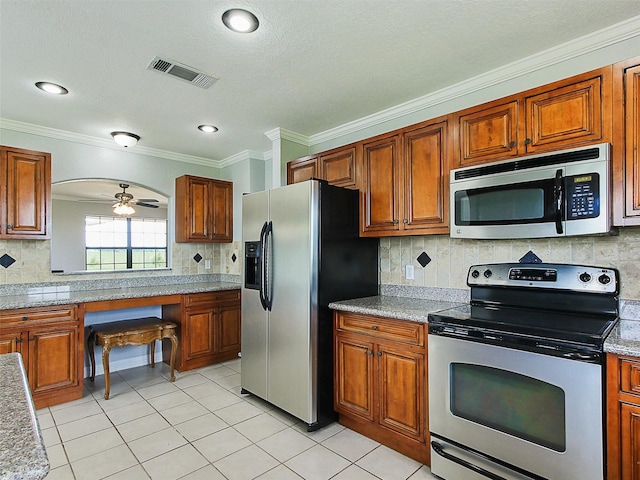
[380, 381]
[623, 417]
[208, 328]
[51, 342]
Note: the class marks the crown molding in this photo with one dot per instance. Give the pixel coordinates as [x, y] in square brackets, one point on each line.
[104, 143]
[583, 45]
[283, 134]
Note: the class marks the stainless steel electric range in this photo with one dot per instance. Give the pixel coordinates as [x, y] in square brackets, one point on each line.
[516, 376]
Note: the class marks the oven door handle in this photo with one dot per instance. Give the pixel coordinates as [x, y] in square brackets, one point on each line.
[468, 465]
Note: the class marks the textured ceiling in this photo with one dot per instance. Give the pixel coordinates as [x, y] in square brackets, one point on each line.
[311, 66]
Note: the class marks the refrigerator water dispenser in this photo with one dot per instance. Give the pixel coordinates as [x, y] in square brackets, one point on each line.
[252, 273]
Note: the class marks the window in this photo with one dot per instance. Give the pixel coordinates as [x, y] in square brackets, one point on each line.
[116, 243]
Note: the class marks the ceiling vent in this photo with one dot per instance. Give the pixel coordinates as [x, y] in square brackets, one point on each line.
[182, 72]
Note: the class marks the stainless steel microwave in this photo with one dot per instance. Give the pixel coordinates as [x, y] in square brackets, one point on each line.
[555, 194]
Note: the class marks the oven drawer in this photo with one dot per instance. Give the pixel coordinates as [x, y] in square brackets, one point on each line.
[629, 375]
[402, 331]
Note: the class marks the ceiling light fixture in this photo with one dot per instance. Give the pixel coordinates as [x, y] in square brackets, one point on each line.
[52, 88]
[240, 21]
[123, 209]
[207, 128]
[125, 139]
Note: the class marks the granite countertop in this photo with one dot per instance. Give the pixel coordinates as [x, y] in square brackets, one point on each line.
[22, 451]
[624, 339]
[403, 308]
[70, 293]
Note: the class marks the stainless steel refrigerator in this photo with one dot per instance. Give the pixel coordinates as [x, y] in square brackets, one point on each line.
[301, 252]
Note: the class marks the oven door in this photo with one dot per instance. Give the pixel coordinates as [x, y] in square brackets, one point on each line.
[513, 413]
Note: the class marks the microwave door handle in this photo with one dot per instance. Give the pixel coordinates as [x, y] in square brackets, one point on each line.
[468, 465]
[558, 200]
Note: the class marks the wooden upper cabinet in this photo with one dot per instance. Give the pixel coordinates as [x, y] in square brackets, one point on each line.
[302, 169]
[25, 194]
[204, 210]
[381, 185]
[626, 144]
[571, 112]
[340, 167]
[406, 181]
[568, 113]
[426, 153]
[488, 133]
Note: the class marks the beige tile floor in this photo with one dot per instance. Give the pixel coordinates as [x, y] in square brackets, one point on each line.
[202, 427]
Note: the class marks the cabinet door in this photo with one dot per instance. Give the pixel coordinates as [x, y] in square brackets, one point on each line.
[339, 167]
[228, 326]
[488, 133]
[630, 441]
[198, 334]
[302, 169]
[626, 145]
[566, 115]
[11, 342]
[426, 178]
[28, 195]
[222, 211]
[381, 185]
[53, 358]
[402, 390]
[354, 380]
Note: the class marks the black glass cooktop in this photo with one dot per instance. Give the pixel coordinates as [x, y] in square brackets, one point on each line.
[541, 324]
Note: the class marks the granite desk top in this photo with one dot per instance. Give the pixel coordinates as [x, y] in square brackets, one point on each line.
[403, 308]
[68, 294]
[22, 451]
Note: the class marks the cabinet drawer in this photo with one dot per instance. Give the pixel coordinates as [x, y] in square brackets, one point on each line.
[221, 297]
[39, 315]
[629, 375]
[402, 331]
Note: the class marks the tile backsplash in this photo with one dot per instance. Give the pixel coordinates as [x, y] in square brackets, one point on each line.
[451, 258]
[33, 262]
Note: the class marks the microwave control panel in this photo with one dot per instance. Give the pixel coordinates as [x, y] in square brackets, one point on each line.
[583, 196]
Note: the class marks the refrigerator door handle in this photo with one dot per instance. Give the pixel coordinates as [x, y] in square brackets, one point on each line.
[268, 290]
[263, 280]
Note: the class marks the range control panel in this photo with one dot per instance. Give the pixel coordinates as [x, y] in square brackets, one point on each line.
[545, 275]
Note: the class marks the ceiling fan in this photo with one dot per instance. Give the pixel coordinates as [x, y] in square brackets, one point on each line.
[125, 200]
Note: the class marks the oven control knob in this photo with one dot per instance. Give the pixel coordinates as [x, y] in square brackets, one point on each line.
[585, 277]
[488, 273]
[475, 274]
[604, 279]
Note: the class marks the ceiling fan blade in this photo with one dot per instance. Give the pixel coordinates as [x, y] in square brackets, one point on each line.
[147, 200]
[142, 204]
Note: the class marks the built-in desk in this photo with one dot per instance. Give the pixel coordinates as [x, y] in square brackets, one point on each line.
[45, 323]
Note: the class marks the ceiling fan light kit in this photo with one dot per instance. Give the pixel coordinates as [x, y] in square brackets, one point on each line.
[207, 128]
[125, 139]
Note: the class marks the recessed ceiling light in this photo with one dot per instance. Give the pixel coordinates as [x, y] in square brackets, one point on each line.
[52, 88]
[240, 21]
[207, 128]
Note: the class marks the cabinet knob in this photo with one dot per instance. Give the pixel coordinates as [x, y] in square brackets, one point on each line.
[395, 222]
[512, 144]
[379, 354]
[25, 318]
[18, 340]
[374, 327]
[527, 141]
[406, 220]
[9, 226]
[369, 352]
[31, 339]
